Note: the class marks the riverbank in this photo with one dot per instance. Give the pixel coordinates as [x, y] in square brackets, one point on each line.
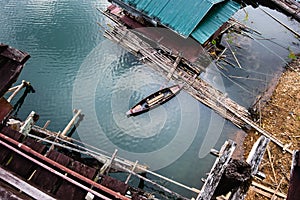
[281, 117]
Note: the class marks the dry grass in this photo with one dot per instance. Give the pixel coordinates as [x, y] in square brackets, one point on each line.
[281, 117]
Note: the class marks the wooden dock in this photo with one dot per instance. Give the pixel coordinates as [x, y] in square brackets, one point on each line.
[195, 86]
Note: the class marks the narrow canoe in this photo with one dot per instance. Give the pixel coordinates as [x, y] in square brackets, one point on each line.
[154, 100]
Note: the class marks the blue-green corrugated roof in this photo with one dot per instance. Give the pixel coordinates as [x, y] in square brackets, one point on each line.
[214, 20]
[184, 16]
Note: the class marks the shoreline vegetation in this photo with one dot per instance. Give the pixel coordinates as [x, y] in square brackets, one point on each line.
[280, 116]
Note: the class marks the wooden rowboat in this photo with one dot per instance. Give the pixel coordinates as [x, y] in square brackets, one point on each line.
[154, 100]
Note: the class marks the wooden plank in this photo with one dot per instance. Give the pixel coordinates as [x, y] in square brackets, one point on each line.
[23, 186]
[217, 170]
[20, 166]
[256, 154]
[12, 133]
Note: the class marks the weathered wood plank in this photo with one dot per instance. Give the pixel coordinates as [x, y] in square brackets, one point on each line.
[217, 170]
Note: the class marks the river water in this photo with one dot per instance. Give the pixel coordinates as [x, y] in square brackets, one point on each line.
[73, 66]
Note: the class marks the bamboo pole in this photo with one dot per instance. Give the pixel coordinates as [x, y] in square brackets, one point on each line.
[234, 56]
[277, 189]
[129, 176]
[271, 163]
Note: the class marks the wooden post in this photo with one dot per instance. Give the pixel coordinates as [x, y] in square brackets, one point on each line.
[46, 125]
[216, 171]
[29, 122]
[256, 154]
[254, 159]
[18, 89]
[71, 123]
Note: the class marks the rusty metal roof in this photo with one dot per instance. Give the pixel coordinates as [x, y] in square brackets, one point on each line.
[11, 64]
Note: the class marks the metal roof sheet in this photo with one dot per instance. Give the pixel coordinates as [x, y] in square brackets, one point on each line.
[214, 20]
[184, 16]
[11, 65]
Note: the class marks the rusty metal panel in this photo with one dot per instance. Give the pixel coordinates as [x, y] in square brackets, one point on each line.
[5, 108]
[21, 166]
[83, 169]
[11, 65]
[114, 184]
[38, 147]
[60, 158]
[12, 134]
[68, 191]
[14, 54]
[4, 155]
[45, 180]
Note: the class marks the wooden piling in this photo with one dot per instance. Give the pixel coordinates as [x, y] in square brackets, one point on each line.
[16, 90]
[217, 170]
[71, 123]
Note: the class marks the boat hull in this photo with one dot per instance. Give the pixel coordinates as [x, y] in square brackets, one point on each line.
[154, 100]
